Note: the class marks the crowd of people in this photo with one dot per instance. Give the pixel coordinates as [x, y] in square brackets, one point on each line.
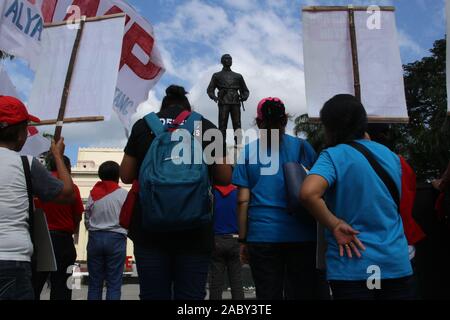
[187, 234]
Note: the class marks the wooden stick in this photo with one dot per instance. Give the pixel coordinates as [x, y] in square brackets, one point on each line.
[355, 60]
[66, 90]
[343, 8]
[77, 21]
[69, 120]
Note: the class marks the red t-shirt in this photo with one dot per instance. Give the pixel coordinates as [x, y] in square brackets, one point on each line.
[63, 217]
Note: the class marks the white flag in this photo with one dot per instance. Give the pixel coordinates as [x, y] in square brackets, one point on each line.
[21, 26]
[36, 144]
[141, 65]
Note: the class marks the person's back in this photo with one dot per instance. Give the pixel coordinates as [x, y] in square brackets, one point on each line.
[360, 181]
[373, 212]
[280, 247]
[20, 179]
[225, 258]
[106, 250]
[171, 264]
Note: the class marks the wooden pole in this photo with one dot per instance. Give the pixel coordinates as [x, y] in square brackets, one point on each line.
[354, 45]
[66, 90]
[69, 120]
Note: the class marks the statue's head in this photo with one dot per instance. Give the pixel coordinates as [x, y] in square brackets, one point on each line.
[227, 60]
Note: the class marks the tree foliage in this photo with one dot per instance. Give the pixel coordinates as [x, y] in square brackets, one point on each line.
[425, 141]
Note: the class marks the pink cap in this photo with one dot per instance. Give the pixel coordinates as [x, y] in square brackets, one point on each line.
[259, 114]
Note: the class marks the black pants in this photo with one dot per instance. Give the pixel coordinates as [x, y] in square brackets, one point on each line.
[225, 259]
[224, 113]
[284, 271]
[65, 255]
[392, 289]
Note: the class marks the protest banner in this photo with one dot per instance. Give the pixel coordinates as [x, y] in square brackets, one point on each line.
[354, 50]
[141, 65]
[78, 69]
[21, 26]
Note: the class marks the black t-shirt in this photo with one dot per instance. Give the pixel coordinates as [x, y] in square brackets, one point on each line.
[200, 240]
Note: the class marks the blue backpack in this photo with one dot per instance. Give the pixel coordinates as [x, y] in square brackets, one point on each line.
[174, 196]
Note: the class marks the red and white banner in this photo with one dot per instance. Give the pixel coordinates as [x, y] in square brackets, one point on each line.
[36, 144]
[21, 27]
[141, 65]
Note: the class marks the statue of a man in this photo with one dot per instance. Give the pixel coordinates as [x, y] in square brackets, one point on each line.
[232, 92]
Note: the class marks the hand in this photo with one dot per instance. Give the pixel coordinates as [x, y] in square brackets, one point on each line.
[216, 99]
[437, 184]
[347, 239]
[244, 254]
[58, 148]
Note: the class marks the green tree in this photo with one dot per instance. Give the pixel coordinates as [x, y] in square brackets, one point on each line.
[425, 141]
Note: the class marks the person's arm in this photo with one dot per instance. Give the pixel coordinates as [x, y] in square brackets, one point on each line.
[245, 93]
[242, 212]
[67, 194]
[128, 169]
[311, 196]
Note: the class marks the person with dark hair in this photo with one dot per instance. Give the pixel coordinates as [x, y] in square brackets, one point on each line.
[107, 244]
[280, 247]
[20, 178]
[63, 222]
[357, 201]
[171, 265]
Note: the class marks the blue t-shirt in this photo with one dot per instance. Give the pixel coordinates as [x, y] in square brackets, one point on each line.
[268, 220]
[225, 216]
[359, 197]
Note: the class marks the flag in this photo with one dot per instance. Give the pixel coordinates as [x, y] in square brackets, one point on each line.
[21, 26]
[36, 144]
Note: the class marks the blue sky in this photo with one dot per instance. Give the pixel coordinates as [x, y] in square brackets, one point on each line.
[265, 39]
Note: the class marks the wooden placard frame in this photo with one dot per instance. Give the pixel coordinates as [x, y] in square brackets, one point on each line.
[354, 50]
[66, 90]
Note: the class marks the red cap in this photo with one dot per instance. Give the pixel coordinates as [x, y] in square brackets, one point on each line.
[13, 111]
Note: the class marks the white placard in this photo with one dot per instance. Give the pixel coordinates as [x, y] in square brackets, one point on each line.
[448, 55]
[329, 64]
[95, 70]
[141, 65]
[21, 26]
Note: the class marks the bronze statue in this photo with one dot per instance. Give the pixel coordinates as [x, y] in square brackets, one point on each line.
[232, 92]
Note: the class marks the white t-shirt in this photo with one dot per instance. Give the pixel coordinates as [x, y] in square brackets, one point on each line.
[15, 241]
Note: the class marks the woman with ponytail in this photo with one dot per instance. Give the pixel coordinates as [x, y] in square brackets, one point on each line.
[279, 247]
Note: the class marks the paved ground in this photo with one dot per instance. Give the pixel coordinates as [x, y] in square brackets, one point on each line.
[129, 292]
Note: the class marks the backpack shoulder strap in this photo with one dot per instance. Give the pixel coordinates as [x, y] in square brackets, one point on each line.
[189, 125]
[154, 123]
[27, 172]
[379, 170]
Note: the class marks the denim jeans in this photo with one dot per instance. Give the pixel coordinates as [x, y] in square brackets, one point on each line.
[65, 255]
[15, 281]
[167, 275]
[392, 289]
[106, 253]
[226, 260]
[284, 271]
